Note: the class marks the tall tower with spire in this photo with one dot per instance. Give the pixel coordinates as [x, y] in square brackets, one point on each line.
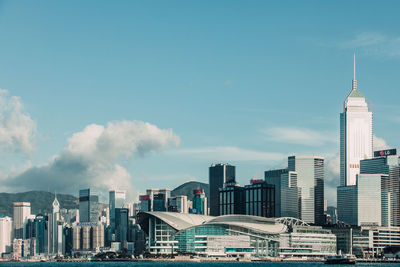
[356, 137]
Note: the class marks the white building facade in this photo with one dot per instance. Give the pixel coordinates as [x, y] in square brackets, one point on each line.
[356, 137]
[5, 235]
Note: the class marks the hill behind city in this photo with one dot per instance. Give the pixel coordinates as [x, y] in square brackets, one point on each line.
[41, 201]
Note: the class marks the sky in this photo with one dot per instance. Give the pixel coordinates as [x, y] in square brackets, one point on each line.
[148, 94]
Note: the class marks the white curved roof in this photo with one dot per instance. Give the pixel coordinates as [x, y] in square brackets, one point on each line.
[179, 221]
[183, 221]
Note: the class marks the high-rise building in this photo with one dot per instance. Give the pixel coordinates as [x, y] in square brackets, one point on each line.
[199, 202]
[178, 204]
[356, 136]
[155, 200]
[310, 180]
[386, 162]
[88, 206]
[41, 233]
[55, 229]
[219, 176]
[361, 204]
[231, 200]
[287, 193]
[121, 224]
[259, 198]
[22, 211]
[5, 235]
[117, 201]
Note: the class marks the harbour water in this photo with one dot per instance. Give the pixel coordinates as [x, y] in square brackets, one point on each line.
[182, 264]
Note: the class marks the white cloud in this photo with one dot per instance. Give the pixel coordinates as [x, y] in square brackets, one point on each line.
[90, 158]
[301, 136]
[17, 128]
[229, 153]
[380, 143]
[374, 43]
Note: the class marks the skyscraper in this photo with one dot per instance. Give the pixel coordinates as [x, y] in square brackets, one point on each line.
[5, 234]
[88, 206]
[117, 201]
[310, 180]
[22, 210]
[386, 162]
[356, 137]
[219, 175]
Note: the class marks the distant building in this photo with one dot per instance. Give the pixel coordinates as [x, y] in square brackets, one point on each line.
[356, 143]
[5, 235]
[155, 200]
[88, 206]
[310, 180]
[355, 134]
[178, 204]
[116, 201]
[386, 162]
[231, 200]
[121, 224]
[287, 193]
[219, 176]
[22, 211]
[332, 212]
[259, 199]
[199, 202]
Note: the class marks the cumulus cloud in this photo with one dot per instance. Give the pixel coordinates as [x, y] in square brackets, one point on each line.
[17, 128]
[380, 143]
[90, 158]
[332, 178]
[301, 136]
[229, 153]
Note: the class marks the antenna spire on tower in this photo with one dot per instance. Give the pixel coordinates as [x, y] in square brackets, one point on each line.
[354, 73]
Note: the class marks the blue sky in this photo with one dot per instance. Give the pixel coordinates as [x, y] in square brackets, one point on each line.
[244, 82]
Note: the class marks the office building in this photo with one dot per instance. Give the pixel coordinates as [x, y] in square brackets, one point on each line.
[5, 235]
[259, 198]
[361, 204]
[386, 162]
[178, 204]
[22, 211]
[155, 200]
[356, 135]
[231, 200]
[116, 201]
[88, 206]
[219, 176]
[199, 202]
[310, 180]
[41, 234]
[121, 224]
[287, 193]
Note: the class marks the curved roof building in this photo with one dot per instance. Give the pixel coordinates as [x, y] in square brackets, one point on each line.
[235, 235]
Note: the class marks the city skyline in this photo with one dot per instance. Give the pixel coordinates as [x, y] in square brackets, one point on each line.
[146, 109]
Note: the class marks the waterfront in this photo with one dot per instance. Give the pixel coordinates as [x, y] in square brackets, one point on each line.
[183, 264]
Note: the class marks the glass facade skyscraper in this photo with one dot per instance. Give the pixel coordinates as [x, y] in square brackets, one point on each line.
[219, 175]
[88, 206]
[116, 201]
[390, 184]
[310, 180]
[287, 193]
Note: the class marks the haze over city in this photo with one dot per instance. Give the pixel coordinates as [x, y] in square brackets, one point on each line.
[104, 95]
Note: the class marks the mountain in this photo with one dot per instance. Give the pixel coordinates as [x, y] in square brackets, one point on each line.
[186, 189]
[41, 201]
